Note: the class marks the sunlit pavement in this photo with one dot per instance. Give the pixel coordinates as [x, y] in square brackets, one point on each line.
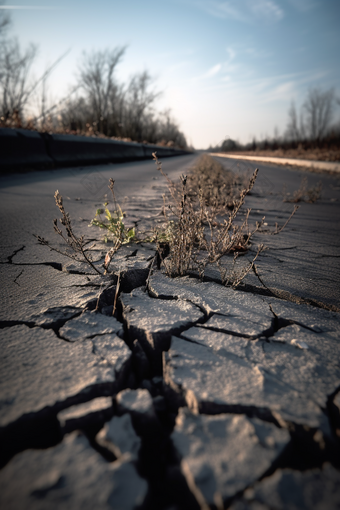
[193, 391]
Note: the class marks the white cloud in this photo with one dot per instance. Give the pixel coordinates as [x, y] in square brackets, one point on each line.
[245, 11]
[223, 10]
[214, 70]
[209, 74]
[231, 54]
[266, 9]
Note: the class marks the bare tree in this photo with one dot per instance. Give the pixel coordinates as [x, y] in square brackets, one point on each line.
[5, 21]
[293, 131]
[104, 105]
[168, 130]
[139, 101]
[315, 117]
[318, 109]
[15, 67]
[97, 80]
[16, 86]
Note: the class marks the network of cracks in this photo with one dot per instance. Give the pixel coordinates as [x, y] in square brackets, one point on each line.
[192, 395]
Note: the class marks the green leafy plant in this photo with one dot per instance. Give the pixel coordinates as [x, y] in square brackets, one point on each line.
[114, 227]
[77, 247]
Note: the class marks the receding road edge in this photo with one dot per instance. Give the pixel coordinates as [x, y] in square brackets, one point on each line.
[305, 163]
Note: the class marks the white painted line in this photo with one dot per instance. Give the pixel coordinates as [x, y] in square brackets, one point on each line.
[317, 165]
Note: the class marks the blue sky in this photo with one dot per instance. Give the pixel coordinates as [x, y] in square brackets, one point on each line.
[226, 68]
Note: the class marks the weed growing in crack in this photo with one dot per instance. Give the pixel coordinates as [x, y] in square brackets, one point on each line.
[304, 194]
[220, 186]
[202, 224]
[76, 247]
[116, 231]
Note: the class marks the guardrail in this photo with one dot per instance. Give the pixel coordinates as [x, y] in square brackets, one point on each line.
[21, 150]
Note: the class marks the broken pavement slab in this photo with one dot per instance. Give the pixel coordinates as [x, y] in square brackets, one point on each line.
[113, 350]
[88, 325]
[119, 436]
[41, 373]
[40, 288]
[244, 326]
[218, 341]
[216, 382]
[300, 367]
[79, 416]
[224, 454]
[53, 317]
[152, 320]
[314, 318]
[71, 475]
[139, 404]
[211, 297]
[316, 489]
[313, 372]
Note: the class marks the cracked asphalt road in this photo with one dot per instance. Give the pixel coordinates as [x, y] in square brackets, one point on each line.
[193, 395]
[304, 259]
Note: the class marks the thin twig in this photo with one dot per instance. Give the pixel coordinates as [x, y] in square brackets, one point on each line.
[116, 294]
[100, 293]
[278, 230]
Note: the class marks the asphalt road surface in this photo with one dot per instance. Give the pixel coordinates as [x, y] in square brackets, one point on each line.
[301, 261]
[304, 258]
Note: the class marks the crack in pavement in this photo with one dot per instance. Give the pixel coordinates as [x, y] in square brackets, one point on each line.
[54, 325]
[159, 460]
[10, 257]
[17, 277]
[283, 294]
[54, 265]
[204, 408]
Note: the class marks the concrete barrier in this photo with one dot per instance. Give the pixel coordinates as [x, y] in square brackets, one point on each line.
[21, 149]
[162, 152]
[68, 150]
[24, 150]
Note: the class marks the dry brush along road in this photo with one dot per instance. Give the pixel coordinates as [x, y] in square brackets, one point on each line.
[194, 395]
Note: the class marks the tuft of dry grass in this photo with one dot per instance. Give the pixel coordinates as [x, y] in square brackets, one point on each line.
[304, 194]
[76, 247]
[219, 185]
[203, 222]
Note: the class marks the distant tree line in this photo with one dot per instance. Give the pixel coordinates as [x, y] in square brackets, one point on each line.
[311, 128]
[97, 104]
